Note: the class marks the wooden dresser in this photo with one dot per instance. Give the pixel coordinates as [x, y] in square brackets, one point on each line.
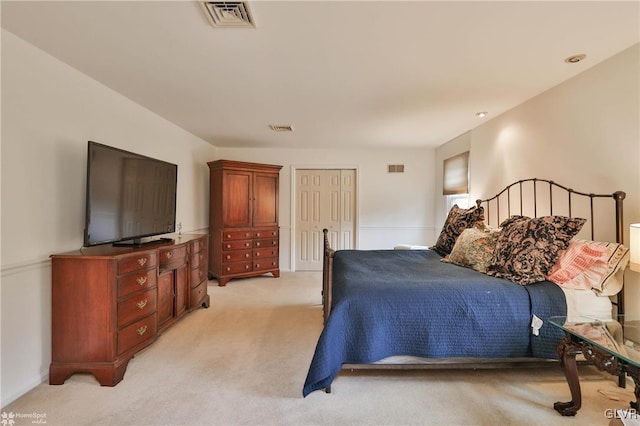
[110, 302]
[243, 220]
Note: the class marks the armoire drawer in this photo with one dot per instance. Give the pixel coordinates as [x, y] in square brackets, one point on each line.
[236, 235]
[265, 233]
[264, 253]
[236, 256]
[234, 268]
[265, 264]
[236, 245]
[266, 242]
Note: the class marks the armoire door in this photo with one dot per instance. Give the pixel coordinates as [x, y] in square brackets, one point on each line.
[265, 199]
[237, 206]
[324, 199]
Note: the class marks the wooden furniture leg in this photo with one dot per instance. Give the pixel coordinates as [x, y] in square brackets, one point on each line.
[567, 351]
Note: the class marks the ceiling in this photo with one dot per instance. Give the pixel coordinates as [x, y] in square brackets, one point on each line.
[343, 74]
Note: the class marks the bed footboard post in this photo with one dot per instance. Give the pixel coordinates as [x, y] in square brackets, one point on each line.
[327, 268]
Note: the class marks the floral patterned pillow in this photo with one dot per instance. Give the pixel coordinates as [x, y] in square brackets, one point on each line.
[474, 249]
[527, 248]
[457, 221]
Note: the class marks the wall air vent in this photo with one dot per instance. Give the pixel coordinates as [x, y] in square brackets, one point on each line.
[280, 128]
[229, 14]
[396, 168]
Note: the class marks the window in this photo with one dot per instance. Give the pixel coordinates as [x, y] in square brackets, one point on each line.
[455, 184]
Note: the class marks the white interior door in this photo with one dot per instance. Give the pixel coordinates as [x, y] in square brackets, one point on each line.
[325, 199]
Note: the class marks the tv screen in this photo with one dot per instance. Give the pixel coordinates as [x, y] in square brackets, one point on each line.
[129, 196]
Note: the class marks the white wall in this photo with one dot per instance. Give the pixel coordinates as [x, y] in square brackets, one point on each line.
[392, 207]
[583, 133]
[49, 112]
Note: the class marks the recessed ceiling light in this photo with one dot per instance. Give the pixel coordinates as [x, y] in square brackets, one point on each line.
[481, 114]
[575, 58]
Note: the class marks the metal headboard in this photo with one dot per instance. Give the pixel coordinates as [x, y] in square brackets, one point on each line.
[538, 191]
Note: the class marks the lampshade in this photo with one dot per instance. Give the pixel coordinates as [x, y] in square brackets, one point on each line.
[634, 247]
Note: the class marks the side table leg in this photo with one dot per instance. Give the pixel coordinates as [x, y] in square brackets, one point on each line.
[567, 351]
[636, 392]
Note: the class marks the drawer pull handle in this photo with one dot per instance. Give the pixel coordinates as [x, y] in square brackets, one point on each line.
[141, 330]
[228, 246]
[142, 261]
[141, 304]
[228, 269]
[247, 267]
[246, 255]
[257, 234]
[247, 244]
[247, 235]
[257, 254]
[169, 254]
[257, 265]
[273, 243]
[141, 280]
[257, 243]
[228, 235]
[228, 256]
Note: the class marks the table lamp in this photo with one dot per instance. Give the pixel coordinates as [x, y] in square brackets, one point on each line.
[634, 247]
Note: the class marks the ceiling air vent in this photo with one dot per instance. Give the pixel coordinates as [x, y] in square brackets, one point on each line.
[279, 128]
[229, 14]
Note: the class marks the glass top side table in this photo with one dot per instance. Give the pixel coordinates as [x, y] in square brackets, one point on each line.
[610, 345]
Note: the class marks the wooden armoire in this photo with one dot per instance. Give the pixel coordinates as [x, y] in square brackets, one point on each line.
[243, 220]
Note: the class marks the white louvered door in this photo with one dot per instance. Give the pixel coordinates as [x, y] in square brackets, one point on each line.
[325, 199]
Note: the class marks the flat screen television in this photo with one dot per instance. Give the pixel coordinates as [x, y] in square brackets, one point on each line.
[129, 196]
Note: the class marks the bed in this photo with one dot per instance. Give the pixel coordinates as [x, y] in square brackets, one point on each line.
[399, 309]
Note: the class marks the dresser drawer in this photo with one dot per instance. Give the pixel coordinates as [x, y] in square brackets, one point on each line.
[136, 307]
[265, 264]
[172, 254]
[266, 242]
[129, 284]
[198, 258]
[264, 252]
[265, 233]
[199, 245]
[198, 293]
[198, 275]
[137, 333]
[238, 267]
[236, 245]
[236, 235]
[136, 262]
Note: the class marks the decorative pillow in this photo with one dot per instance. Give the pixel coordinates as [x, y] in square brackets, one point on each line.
[582, 266]
[527, 248]
[618, 257]
[457, 221]
[473, 249]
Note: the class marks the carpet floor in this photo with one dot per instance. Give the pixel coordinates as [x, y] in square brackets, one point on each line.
[244, 360]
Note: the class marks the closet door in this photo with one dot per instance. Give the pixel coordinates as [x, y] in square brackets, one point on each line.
[324, 199]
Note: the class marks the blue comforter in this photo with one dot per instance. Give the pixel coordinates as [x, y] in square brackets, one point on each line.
[408, 302]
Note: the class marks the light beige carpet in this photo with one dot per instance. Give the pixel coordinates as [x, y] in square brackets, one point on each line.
[244, 360]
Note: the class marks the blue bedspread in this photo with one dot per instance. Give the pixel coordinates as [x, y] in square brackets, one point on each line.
[428, 309]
